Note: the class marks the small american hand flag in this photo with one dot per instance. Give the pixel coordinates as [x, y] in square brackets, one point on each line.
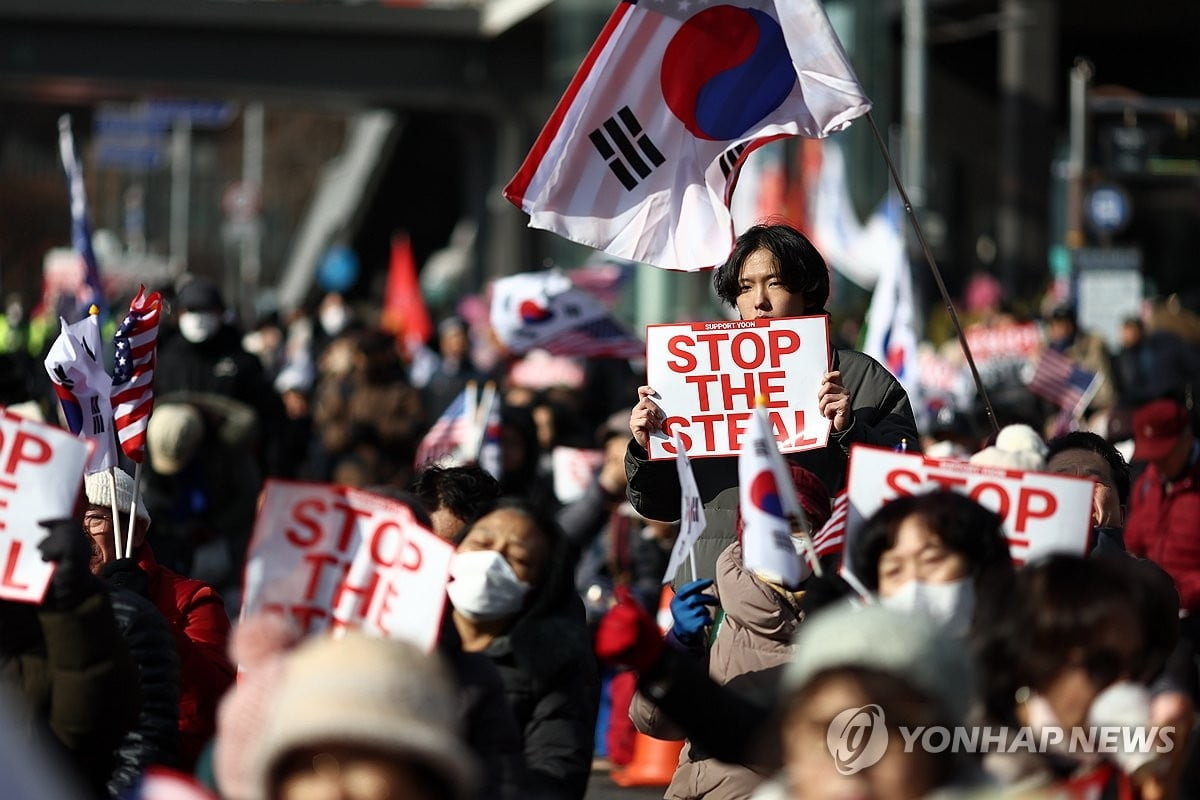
[444, 442]
[136, 343]
[831, 539]
[1059, 380]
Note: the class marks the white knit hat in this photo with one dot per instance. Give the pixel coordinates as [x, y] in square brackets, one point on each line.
[365, 691]
[1016, 447]
[99, 490]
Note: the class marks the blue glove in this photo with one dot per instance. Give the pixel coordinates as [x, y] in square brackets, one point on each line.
[689, 607]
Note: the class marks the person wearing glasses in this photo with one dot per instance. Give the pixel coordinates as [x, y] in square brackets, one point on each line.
[193, 609]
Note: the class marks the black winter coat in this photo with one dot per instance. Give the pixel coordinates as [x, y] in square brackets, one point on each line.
[75, 673]
[553, 687]
[882, 417]
[488, 724]
[154, 737]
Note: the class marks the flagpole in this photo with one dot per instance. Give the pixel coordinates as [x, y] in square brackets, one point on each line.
[112, 474]
[937, 275]
[137, 486]
[812, 555]
[483, 412]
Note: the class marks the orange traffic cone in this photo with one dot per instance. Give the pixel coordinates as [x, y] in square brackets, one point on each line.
[654, 760]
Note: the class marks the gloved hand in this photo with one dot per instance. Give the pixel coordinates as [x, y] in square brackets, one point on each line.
[627, 634]
[689, 607]
[126, 573]
[66, 544]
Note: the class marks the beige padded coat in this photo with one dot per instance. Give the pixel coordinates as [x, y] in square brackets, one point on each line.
[752, 645]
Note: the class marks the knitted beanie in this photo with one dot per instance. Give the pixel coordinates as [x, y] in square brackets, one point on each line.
[1016, 447]
[98, 487]
[363, 691]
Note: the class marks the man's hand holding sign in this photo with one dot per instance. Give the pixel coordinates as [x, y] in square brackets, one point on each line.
[709, 375]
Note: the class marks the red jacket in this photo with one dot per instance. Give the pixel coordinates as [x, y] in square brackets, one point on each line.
[1164, 526]
[196, 615]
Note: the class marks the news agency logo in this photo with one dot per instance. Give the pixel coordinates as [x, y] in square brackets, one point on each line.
[857, 738]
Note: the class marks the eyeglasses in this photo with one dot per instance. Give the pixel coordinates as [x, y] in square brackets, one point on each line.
[96, 522]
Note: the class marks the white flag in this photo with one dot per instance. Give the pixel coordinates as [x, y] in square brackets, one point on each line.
[691, 513]
[83, 387]
[546, 310]
[641, 155]
[891, 324]
[769, 508]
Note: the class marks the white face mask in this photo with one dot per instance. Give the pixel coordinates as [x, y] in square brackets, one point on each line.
[950, 605]
[484, 587]
[334, 319]
[1125, 704]
[802, 551]
[199, 326]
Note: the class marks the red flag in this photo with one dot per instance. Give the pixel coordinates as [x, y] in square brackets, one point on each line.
[404, 312]
[136, 343]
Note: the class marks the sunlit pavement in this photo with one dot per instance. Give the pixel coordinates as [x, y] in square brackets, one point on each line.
[601, 787]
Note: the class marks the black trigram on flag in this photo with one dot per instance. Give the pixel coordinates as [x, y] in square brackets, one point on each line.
[626, 148]
[97, 416]
[729, 159]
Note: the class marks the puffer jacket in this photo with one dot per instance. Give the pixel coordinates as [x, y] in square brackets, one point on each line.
[882, 417]
[196, 617]
[751, 648]
[73, 669]
[551, 683]
[154, 738]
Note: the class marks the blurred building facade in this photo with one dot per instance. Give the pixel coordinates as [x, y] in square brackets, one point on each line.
[243, 139]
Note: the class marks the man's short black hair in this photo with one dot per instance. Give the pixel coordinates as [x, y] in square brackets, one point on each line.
[467, 492]
[797, 262]
[1086, 440]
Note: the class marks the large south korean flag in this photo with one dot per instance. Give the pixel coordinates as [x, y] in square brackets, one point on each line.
[641, 155]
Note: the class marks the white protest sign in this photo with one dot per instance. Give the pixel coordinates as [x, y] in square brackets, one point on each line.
[574, 470]
[334, 558]
[41, 468]
[769, 509]
[1042, 513]
[708, 375]
[691, 514]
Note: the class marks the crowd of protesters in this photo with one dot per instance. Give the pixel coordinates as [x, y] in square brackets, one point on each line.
[550, 652]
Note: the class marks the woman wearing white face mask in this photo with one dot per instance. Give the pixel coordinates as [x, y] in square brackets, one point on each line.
[513, 599]
[930, 553]
[1069, 644]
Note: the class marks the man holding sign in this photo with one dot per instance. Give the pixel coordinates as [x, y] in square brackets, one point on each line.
[773, 272]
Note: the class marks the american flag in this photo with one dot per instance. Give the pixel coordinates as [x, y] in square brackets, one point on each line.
[136, 343]
[831, 539]
[446, 438]
[1060, 381]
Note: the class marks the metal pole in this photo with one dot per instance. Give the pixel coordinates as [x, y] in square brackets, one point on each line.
[181, 189]
[913, 100]
[1081, 75]
[937, 274]
[252, 179]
